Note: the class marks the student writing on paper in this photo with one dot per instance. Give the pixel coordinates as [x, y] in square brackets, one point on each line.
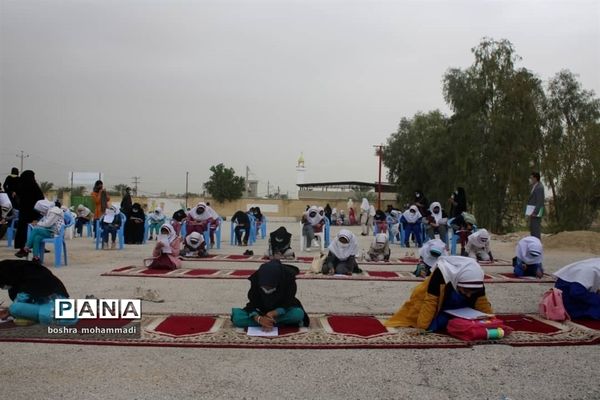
[456, 282]
[341, 259]
[202, 217]
[528, 259]
[110, 223]
[280, 244]
[380, 248]
[50, 224]
[580, 285]
[166, 250]
[32, 288]
[194, 246]
[478, 246]
[84, 215]
[271, 299]
[429, 253]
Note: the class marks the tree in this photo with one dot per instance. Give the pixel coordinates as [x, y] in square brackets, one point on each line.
[224, 185]
[119, 190]
[62, 190]
[487, 145]
[416, 154]
[78, 191]
[495, 130]
[46, 186]
[570, 157]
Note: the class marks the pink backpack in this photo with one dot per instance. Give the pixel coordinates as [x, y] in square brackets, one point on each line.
[552, 307]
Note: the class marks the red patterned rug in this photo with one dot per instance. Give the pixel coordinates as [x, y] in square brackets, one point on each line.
[200, 273]
[309, 259]
[327, 331]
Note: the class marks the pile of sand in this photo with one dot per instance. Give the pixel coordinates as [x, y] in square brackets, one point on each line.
[585, 241]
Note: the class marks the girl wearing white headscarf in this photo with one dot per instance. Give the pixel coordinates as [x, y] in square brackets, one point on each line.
[50, 224]
[580, 285]
[429, 253]
[437, 222]
[478, 246]
[366, 220]
[194, 245]
[84, 215]
[380, 248]
[341, 258]
[529, 255]
[202, 217]
[155, 221]
[411, 224]
[456, 282]
[312, 221]
[166, 251]
[110, 223]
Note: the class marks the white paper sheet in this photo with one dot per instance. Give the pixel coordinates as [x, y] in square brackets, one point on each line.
[257, 331]
[468, 313]
[529, 210]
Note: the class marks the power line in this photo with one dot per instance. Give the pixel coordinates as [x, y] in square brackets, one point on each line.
[136, 180]
[22, 156]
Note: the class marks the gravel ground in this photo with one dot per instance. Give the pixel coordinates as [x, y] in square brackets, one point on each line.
[42, 371]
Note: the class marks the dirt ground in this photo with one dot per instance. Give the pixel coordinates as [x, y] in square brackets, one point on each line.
[44, 371]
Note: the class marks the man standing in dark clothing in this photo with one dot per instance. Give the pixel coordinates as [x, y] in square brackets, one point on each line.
[535, 205]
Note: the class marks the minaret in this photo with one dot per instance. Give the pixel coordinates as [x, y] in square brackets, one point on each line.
[300, 170]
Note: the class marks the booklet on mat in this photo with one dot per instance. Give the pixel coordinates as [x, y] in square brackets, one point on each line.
[468, 313]
[257, 331]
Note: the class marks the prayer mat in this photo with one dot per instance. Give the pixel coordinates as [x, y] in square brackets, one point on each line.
[589, 323]
[200, 273]
[326, 331]
[309, 259]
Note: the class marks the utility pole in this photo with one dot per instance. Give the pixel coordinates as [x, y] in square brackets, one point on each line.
[379, 153]
[22, 156]
[268, 186]
[136, 180]
[187, 174]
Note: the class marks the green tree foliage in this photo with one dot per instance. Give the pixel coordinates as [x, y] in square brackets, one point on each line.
[416, 155]
[224, 185]
[119, 190]
[46, 186]
[78, 191]
[570, 151]
[503, 126]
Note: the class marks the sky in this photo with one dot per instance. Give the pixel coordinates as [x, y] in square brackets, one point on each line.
[155, 89]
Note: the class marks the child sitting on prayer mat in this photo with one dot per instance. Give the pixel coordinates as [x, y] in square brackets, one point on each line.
[166, 251]
[456, 282]
[271, 299]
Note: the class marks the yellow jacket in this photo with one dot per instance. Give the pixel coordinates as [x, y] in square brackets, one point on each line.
[422, 307]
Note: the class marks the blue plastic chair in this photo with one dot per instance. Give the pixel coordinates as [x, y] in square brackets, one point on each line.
[217, 235]
[327, 232]
[60, 245]
[263, 227]
[251, 233]
[12, 228]
[120, 232]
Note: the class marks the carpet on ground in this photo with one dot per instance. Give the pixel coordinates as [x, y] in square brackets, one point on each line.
[366, 275]
[308, 259]
[326, 331]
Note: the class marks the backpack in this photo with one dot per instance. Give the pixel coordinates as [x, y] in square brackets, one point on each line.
[552, 307]
[478, 329]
